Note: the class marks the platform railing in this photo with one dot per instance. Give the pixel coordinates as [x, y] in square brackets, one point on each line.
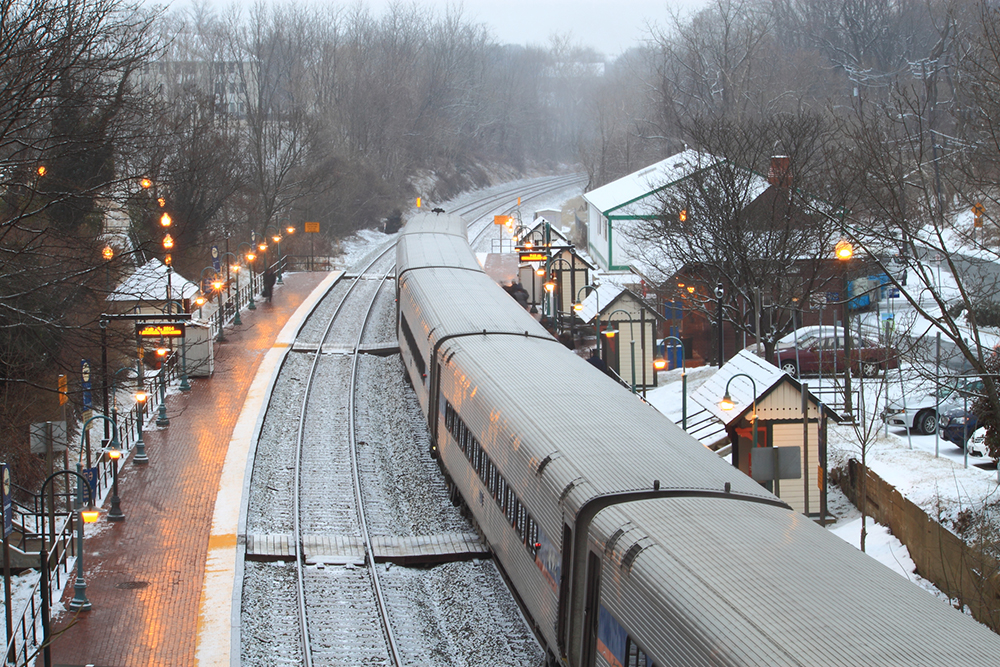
[25, 643]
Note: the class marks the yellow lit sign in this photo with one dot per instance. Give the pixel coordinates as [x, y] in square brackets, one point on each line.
[502, 220]
[533, 256]
[312, 228]
[160, 330]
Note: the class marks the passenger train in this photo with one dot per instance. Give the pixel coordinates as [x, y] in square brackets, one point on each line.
[626, 541]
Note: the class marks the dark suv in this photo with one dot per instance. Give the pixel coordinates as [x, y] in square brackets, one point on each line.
[825, 353]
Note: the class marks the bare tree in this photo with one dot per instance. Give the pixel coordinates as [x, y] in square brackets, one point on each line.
[69, 113]
[723, 223]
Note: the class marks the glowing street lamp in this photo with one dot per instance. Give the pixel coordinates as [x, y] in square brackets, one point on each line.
[166, 220]
[161, 417]
[251, 256]
[844, 251]
[234, 268]
[631, 331]
[660, 364]
[88, 515]
[727, 403]
[140, 410]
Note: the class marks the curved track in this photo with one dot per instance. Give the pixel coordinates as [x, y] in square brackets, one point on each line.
[343, 610]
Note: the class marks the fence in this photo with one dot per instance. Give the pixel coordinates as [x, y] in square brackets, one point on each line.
[963, 572]
[25, 643]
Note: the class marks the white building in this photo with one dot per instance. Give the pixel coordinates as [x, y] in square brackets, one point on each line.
[630, 200]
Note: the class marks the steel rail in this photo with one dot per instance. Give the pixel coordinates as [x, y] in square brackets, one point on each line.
[485, 204]
[390, 637]
[296, 503]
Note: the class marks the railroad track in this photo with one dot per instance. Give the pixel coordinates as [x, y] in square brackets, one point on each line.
[350, 487]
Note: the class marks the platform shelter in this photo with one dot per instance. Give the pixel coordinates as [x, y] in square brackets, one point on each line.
[788, 417]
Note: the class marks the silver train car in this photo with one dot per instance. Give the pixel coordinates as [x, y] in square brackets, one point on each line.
[626, 541]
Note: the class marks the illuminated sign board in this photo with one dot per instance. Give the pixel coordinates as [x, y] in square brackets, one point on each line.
[501, 219]
[159, 329]
[533, 256]
[312, 228]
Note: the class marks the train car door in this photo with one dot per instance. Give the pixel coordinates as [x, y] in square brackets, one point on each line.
[591, 611]
[436, 409]
[567, 563]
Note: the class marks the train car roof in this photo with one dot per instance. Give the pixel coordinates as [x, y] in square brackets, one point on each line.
[594, 434]
[435, 223]
[463, 302]
[775, 588]
[434, 250]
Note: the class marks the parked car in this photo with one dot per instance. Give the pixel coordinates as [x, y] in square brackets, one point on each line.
[920, 414]
[825, 353]
[957, 425]
[977, 443]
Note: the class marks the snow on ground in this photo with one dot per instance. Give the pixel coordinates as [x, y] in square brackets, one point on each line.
[941, 485]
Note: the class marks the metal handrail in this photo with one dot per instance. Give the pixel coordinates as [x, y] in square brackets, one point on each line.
[24, 644]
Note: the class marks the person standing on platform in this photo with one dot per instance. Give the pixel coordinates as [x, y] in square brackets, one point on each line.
[269, 279]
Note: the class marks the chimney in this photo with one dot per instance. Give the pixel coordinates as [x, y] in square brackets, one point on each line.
[780, 173]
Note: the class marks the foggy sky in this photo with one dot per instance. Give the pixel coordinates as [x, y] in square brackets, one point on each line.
[609, 26]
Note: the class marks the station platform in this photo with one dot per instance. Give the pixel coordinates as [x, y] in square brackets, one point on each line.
[161, 581]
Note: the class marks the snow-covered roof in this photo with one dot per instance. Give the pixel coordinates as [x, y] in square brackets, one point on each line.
[617, 195]
[149, 283]
[765, 375]
[555, 233]
[603, 295]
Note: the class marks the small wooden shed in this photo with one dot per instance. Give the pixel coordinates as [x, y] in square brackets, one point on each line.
[619, 309]
[785, 419]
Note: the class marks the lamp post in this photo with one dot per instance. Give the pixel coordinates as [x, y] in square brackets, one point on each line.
[550, 286]
[88, 515]
[276, 239]
[140, 400]
[161, 417]
[578, 306]
[844, 251]
[289, 230]
[114, 453]
[719, 294]
[184, 384]
[251, 256]
[684, 379]
[727, 403]
[235, 268]
[108, 253]
[631, 333]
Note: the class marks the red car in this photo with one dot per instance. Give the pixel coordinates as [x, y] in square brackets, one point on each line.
[825, 354]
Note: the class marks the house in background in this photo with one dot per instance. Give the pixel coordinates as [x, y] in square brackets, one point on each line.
[687, 296]
[632, 199]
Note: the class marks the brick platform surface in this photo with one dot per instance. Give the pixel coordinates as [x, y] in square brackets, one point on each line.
[144, 575]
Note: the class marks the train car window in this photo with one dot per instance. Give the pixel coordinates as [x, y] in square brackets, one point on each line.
[412, 345]
[449, 418]
[635, 656]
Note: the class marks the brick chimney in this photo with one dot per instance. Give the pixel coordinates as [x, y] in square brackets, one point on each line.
[780, 173]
